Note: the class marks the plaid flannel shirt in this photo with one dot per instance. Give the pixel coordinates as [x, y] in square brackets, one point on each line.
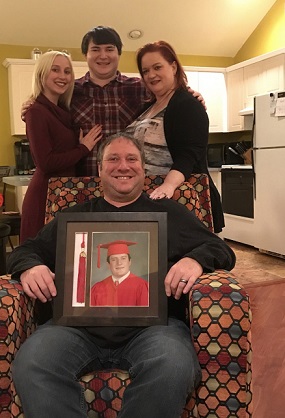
[113, 106]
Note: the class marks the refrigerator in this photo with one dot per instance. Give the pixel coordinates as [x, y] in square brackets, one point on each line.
[269, 172]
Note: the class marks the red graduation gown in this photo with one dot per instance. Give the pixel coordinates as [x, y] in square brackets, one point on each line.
[133, 291]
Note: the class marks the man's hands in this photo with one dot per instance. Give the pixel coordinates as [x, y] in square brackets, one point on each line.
[38, 283]
[185, 269]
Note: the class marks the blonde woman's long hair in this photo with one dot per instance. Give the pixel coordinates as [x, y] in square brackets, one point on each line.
[42, 69]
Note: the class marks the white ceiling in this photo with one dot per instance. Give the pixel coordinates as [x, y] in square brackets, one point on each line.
[193, 27]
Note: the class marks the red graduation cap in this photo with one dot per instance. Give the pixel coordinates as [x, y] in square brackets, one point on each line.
[115, 247]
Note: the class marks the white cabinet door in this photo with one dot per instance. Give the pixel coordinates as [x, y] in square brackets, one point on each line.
[273, 70]
[252, 76]
[235, 99]
[212, 86]
[20, 85]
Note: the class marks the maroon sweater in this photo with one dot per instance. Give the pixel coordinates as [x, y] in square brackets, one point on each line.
[55, 150]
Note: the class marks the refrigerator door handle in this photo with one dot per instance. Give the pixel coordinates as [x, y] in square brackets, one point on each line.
[253, 132]
[253, 148]
[254, 173]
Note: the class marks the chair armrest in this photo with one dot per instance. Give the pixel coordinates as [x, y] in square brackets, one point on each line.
[16, 316]
[16, 324]
[220, 319]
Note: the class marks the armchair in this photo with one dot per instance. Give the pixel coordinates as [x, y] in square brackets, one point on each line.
[220, 321]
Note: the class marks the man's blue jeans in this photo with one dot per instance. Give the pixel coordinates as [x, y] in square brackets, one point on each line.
[161, 361]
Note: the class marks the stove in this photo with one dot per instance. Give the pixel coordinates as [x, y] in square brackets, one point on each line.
[237, 190]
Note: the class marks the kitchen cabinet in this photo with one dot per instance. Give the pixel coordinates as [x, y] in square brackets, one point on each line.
[211, 84]
[235, 100]
[273, 74]
[20, 73]
[252, 75]
[19, 83]
[263, 77]
[249, 79]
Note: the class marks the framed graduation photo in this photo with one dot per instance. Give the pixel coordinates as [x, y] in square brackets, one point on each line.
[110, 269]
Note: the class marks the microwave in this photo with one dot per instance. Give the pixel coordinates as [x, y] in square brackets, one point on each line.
[223, 153]
[216, 155]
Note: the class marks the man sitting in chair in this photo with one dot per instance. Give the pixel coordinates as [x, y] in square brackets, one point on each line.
[161, 359]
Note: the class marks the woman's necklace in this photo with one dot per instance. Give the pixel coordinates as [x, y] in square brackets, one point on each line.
[158, 106]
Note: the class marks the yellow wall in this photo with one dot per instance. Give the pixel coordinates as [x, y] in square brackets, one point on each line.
[128, 61]
[268, 36]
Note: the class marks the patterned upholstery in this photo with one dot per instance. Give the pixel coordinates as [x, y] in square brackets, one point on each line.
[67, 191]
[220, 320]
[16, 324]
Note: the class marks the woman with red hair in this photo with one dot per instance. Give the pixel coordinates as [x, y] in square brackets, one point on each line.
[174, 127]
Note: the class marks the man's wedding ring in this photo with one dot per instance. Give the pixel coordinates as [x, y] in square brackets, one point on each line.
[183, 281]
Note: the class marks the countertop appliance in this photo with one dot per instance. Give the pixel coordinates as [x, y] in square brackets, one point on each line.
[216, 155]
[219, 154]
[269, 173]
[23, 157]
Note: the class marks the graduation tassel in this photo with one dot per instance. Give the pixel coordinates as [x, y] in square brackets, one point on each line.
[81, 279]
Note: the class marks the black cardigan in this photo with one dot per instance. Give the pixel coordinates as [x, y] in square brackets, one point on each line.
[186, 127]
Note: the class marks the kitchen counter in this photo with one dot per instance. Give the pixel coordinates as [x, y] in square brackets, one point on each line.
[20, 183]
[17, 181]
[237, 166]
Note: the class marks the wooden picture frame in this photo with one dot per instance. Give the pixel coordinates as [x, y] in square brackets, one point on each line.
[79, 237]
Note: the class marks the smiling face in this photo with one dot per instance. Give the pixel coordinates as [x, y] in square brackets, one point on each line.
[103, 61]
[158, 74]
[122, 172]
[119, 265]
[58, 79]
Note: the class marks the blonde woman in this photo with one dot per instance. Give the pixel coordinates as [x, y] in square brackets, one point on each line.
[53, 141]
